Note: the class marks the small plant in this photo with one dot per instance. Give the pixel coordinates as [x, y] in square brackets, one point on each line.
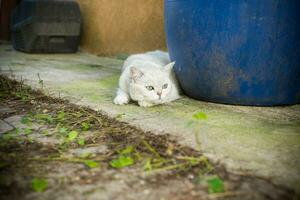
[60, 116]
[195, 124]
[81, 141]
[124, 158]
[38, 185]
[63, 131]
[122, 161]
[199, 116]
[148, 166]
[91, 164]
[72, 136]
[85, 126]
[41, 82]
[215, 185]
[26, 120]
[27, 131]
[21, 95]
[47, 118]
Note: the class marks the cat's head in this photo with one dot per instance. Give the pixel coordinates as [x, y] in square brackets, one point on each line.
[151, 84]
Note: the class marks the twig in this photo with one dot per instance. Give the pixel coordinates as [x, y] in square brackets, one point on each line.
[151, 149]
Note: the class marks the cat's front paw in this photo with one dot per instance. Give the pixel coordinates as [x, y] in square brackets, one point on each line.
[145, 104]
[121, 99]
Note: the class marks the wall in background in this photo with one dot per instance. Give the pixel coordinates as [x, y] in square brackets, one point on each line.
[113, 27]
[6, 7]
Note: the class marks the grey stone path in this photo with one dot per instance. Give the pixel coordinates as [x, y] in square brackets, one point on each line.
[28, 155]
[261, 141]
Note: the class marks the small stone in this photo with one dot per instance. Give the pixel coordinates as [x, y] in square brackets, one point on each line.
[5, 127]
[5, 110]
[146, 191]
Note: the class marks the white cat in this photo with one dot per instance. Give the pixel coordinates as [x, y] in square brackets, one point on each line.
[147, 79]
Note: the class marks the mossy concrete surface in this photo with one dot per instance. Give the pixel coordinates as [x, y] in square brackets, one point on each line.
[260, 141]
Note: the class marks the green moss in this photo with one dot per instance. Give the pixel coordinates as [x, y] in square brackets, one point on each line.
[109, 82]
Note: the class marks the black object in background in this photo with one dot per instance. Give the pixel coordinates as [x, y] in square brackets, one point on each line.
[46, 26]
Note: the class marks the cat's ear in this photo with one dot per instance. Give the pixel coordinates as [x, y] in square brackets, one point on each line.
[168, 68]
[136, 73]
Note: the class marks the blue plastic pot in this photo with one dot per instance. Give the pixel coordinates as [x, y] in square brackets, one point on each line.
[243, 52]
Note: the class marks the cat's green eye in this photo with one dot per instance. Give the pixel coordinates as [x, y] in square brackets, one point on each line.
[149, 88]
[165, 86]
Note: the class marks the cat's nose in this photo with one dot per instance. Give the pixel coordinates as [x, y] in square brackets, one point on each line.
[159, 94]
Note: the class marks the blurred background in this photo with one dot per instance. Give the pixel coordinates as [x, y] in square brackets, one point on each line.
[111, 27]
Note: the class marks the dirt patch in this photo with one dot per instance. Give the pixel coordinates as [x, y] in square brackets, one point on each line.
[83, 154]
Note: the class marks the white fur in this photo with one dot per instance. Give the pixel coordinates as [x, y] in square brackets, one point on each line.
[142, 71]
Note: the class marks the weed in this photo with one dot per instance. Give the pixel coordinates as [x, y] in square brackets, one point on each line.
[27, 131]
[85, 126]
[91, 164]
[124, 158]
[72, 136]
[81, 141]
[196, 125]
[41, 82]
[38, 185]
[215, 185]
[122, 161]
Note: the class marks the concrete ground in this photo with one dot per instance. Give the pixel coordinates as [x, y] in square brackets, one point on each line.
[260, 141]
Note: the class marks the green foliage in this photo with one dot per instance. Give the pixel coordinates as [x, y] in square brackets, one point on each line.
[91, 164]
[72, 136]
[199, 116]
[38, 185]
[22, 94]
[127, 150]
[44, 117]
[63, 130]
[60, 116]
[41, 82]
[81, 142]
[27, 131]
[7, 136]
[122, 161]
[147, 166]
[85, 126]
[124, 158]
[215, 185]
[25, 120]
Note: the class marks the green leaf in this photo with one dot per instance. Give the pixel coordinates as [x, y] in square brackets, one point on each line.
[60, 116]
[44, 117]
[81, 142]
[148, 166]
[85, 126]
[91, 164]
[17, 130]
[199, 116]
[122, 161]
[127, 150]
[72, 135]
[27, 131]
[63, 130]
[7, 136]
[38, 185]
[215, 185]
[25, 120]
